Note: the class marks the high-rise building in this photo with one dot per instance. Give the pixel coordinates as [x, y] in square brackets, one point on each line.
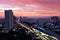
[54, 19]
[8, 20]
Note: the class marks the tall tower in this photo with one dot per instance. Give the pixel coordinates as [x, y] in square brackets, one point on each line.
[8, 20]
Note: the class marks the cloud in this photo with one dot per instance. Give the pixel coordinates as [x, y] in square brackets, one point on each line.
[39, 6]
[50, 0]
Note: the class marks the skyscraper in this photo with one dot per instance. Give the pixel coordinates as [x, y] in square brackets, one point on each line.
[8, 20]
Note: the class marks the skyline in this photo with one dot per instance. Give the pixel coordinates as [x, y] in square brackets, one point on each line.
[31, 8]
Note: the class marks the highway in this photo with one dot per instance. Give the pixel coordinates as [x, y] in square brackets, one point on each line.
[33, 30]
[25, 26]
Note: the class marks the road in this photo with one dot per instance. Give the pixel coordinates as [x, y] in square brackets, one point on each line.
[31, 30]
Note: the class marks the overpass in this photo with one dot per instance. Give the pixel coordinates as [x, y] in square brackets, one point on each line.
[51, 33]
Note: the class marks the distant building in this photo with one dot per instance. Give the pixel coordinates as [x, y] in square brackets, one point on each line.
[2, 23]
[20, 19]
[8, 20]
[54, 19]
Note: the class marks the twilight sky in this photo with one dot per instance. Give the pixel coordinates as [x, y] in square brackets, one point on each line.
[31, 8]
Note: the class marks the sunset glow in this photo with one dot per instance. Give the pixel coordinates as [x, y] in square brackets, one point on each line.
[31, 8]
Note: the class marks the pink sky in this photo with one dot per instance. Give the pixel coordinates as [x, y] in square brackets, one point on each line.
[31, 8]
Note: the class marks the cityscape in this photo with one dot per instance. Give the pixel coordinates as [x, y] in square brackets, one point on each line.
[29, 19]
[26, 28]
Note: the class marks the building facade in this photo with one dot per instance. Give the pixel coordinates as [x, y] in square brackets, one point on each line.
[8, 20]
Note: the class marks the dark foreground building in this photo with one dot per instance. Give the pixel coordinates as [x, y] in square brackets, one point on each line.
[8, 20]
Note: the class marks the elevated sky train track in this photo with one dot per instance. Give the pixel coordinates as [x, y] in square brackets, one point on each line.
[40, 29]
